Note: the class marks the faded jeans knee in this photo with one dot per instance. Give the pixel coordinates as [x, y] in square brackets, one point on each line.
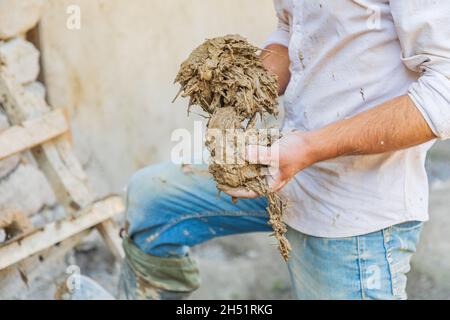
[144, 188]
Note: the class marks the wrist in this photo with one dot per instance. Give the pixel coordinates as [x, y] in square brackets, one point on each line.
[304, 152]
[317, 147]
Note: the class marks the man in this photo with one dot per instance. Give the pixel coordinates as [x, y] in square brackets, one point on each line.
[366, 88]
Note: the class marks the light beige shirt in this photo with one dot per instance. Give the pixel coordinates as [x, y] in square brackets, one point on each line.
[348, 56]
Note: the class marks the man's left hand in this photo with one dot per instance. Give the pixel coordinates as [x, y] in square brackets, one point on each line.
[287, 157]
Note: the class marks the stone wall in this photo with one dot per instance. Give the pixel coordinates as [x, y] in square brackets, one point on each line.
[24, 190]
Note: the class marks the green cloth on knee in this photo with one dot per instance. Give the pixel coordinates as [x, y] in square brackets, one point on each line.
[168, 274]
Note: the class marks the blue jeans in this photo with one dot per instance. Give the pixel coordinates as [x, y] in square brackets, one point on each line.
[170, 210]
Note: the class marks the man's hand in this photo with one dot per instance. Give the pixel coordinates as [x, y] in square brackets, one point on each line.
[287, 157]
[394, 125]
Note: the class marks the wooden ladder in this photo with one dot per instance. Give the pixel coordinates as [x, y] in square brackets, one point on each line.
[45, 132]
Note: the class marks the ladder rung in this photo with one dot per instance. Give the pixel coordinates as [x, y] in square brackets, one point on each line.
[56, 232]
[32, 133]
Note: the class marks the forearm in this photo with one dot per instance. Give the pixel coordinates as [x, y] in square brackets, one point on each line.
[275, 58]
[394, 125]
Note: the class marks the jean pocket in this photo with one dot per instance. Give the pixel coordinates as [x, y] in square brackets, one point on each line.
[410, 225]
[401, 243]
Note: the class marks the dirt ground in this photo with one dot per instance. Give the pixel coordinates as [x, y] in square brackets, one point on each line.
[249, 266]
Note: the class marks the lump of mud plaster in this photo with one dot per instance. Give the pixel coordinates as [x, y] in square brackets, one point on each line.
[226, 78]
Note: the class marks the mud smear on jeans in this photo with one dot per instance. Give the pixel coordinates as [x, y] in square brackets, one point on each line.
[226, 78]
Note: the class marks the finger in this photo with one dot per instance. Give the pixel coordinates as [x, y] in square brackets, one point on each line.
[258, 155]
[279, 185]
[276, 183]
[241, 193]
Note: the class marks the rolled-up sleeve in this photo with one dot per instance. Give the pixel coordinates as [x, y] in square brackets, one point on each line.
[282, 34]
[423, 28]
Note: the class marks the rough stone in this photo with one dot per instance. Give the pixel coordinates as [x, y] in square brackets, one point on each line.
[27, 190]
[18, 16]
[2, 235]
[30, 97]
[9, 164]
[37, 89]
[19, 58]
[4, 123]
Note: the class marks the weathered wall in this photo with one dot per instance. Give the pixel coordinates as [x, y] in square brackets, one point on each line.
[24, 192]
[116, 73]
[17, 17]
